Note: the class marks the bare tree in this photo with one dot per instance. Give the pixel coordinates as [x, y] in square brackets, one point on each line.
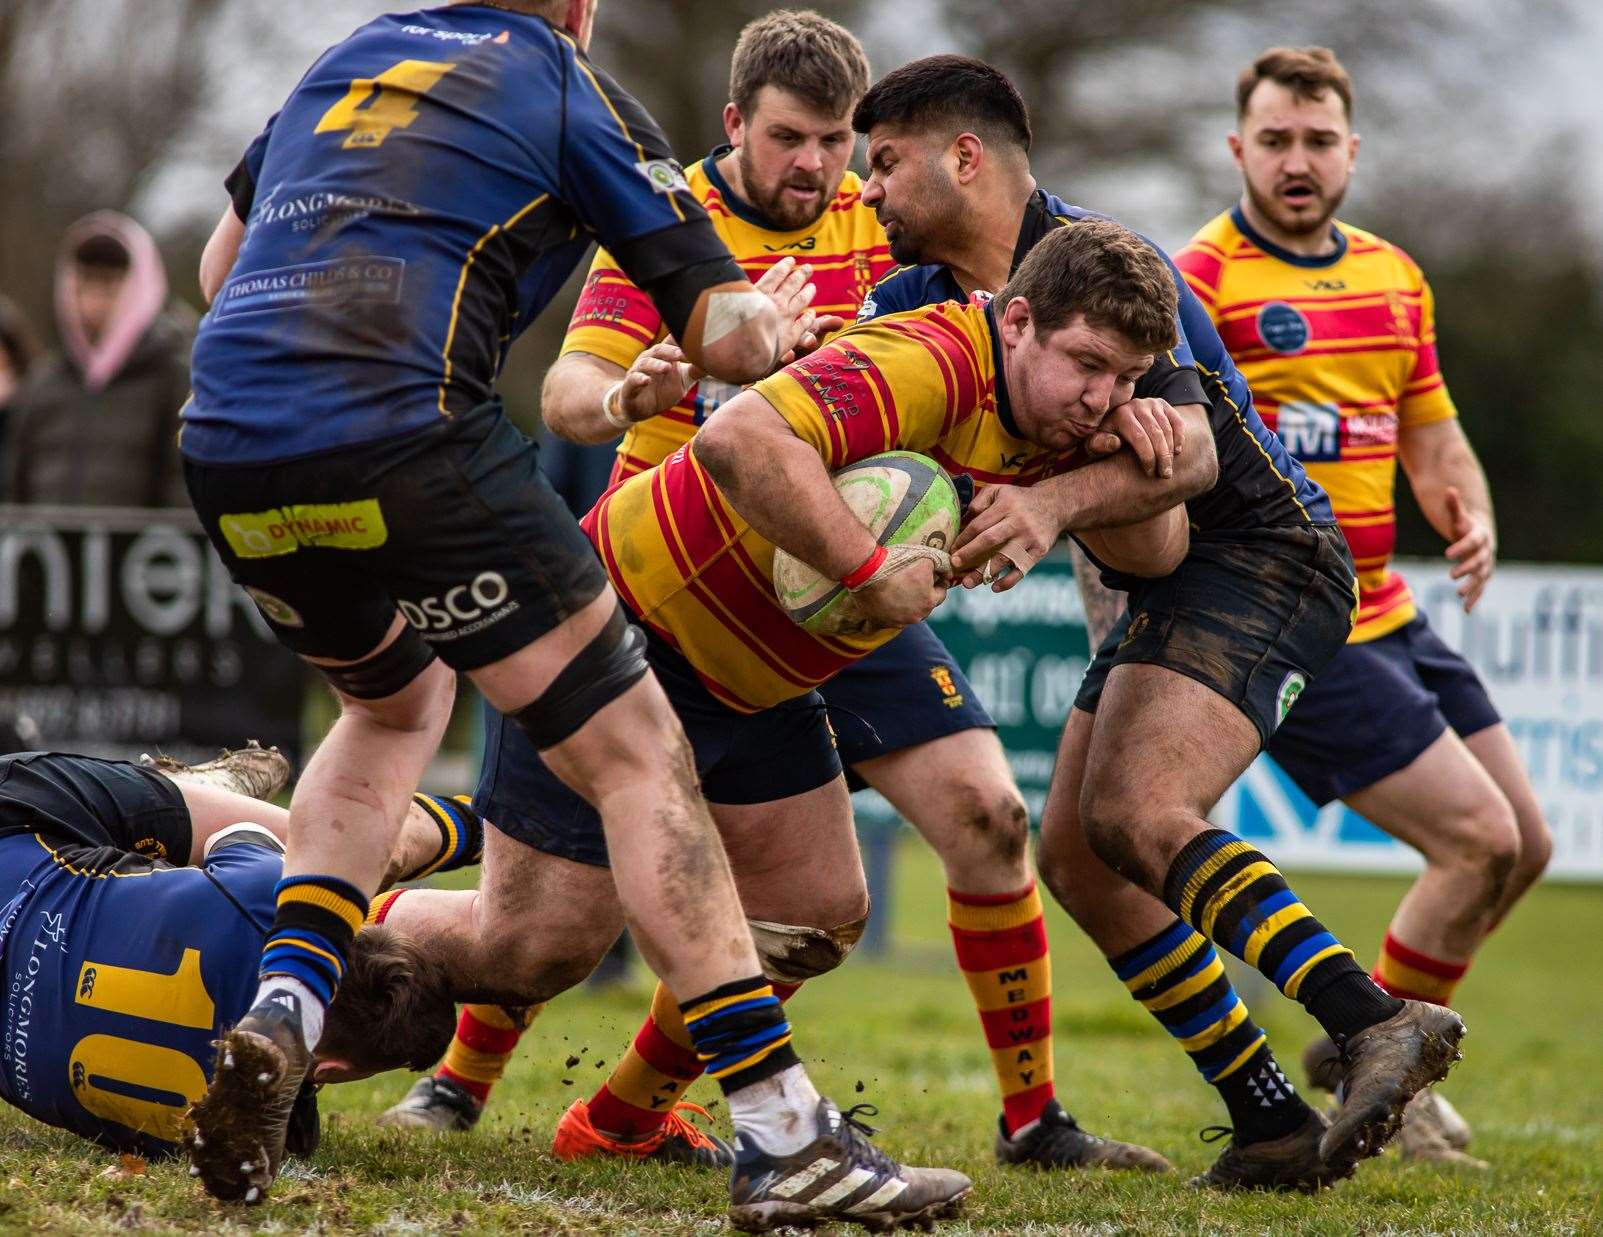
[96, 93]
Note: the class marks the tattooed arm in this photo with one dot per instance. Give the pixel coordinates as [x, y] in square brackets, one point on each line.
[1102, 604]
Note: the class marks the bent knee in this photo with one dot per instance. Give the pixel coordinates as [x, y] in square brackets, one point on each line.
[1111, 823]
[992, 824]
[794, 953]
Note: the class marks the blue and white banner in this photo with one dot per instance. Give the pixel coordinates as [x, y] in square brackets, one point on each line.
[1536, 639]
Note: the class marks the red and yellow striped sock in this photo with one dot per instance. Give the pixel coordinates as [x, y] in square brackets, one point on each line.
[1001, 947]
[485, 1038]
[654, 1073]
[1414, 976]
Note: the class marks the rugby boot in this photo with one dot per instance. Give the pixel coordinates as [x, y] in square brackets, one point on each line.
[1424, 1135]
[676, 1141]
[1437, 1121]
[436, 1104]
[1057, 1141]
[1386, 1065]
[839, 1176]
[257, 771]
[237, 1130]
[305, 1124]
[1290, 1162]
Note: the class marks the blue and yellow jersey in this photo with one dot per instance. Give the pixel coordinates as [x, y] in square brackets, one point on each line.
[117, 970]
[421, 196]
[118, 977]
[1341, 355]
[1260, 484]
[616, 321]
[701, 577]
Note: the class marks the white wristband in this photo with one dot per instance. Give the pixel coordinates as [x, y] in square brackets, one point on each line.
[617, 420]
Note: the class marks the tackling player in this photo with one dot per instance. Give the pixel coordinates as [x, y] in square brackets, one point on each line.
[1334, 328]
[907, 721]
[412, 207]
[1202, 672]
[131, 905]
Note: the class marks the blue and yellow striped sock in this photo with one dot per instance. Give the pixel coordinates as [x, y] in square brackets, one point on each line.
[461, 834]
[312, 932]
[740, 1032]
[1178, 977]
[1230, 893]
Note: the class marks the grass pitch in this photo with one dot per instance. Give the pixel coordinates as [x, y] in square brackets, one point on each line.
[901, 1033]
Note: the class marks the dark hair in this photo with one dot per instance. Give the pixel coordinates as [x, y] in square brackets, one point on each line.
[393, 1007]
[1305, 71]
[1105, 271]
[799, 51]
[102, 252]
[17, 340]
[957, 91]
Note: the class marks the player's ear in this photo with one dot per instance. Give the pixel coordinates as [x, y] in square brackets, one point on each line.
[1015, 321]
[734, 124]
[1233, 139]
[969, 153]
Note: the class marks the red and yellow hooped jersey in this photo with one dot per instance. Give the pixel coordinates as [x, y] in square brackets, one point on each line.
[1340, 353]
[616, 321]
[689, 566]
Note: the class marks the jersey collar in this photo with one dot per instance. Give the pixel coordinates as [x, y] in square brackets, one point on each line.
[1004, 406]
[738, 206]
[1239, 218]
[1038, 221]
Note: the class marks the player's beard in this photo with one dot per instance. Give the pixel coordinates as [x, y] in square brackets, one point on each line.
[783, 212]
[1311, 223]
[930, 223]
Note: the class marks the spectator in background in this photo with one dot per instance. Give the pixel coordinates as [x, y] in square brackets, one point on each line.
[97, 423]
[18, 348]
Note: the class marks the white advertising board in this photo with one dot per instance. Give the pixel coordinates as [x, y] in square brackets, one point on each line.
[1536, 639]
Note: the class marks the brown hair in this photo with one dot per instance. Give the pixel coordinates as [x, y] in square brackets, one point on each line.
[799, 51]
[1305, 71]
[393, 1008]
[1105, 271]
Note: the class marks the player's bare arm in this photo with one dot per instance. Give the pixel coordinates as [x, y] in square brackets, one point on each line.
[1102, 605]
[1451, 488]
[1149, 549]
[591, 400]
[1023, 524]
[222, 247]
[740, 332]
[779, 485]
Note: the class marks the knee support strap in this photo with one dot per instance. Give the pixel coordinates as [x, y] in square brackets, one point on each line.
[385, 672]
[599, 673]
[790, 953]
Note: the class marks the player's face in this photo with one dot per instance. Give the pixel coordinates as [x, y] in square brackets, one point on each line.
[1296, 157]
[911, 192]
[792, 155]
[1063, 383]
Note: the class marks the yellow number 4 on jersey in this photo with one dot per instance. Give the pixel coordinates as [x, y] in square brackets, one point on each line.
[374, 106]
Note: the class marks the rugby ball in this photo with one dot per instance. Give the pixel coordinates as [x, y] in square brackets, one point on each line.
[903, 498]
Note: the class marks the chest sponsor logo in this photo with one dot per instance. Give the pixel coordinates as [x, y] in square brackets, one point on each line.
[1371, 429]
[1311, 432]
[807, 244]
[338, 281]
[283, 530]
[1326, 285]
[1283, 328]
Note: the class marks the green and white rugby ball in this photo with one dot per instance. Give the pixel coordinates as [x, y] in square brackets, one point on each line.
[903, 498]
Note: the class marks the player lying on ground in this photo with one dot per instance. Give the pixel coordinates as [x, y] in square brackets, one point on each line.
[131, 904]
[906, 720]
[742, 675]
[1335, 330]
[1189, 688]
[352, 466]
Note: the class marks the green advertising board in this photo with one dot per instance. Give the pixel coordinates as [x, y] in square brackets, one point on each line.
[1025, 652]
